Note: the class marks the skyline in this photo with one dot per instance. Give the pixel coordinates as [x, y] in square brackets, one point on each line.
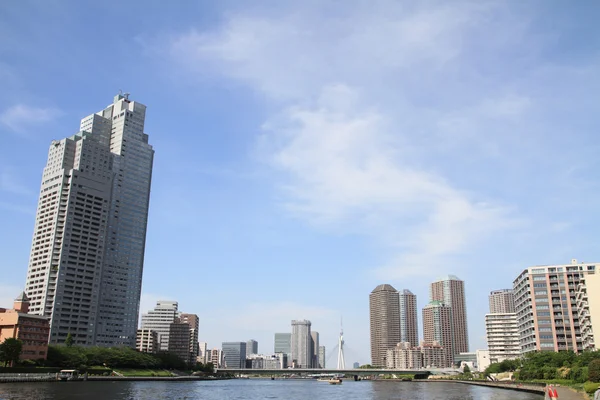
[437, 140]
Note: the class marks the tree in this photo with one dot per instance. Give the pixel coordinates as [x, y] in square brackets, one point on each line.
[10, 350]
[69, 340]
[594, 371]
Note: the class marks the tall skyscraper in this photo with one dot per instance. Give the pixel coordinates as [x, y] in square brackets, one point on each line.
[301, 344]
[159, 320]
[87, 253]
[502, 301]
[546, 306]
[409, 325]
[322, 357]
[283, 344]
[384, 311]
[234, 354]
[502, 331]
[437, 327]
[314, 344]
[451, 291]
[251, 347]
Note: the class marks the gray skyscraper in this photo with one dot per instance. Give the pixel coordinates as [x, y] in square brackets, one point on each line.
[384, 311]
[283, 344]
[322, 357]
[251, 347]
[87, 254]
[301, 344]
[314, 342]
[409, 326]
[234, 354]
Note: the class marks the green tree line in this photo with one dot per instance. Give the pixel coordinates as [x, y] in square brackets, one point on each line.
[548, 365]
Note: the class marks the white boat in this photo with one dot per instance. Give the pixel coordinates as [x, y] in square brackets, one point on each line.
[335, 381]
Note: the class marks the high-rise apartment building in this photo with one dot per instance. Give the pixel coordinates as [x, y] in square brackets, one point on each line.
[251, 347]
[546, 306]
[179, 341]
[502, 301]
[501, 327]
[314, 344]
[437, 327]
[409, 325]
[588, 310]
[160, 320]
[451, 291]
[147, 341]
[282, 343]
[301, 344]
[322, 357]
[192, 321]
[234, 354]
[384, 312]
[404, 356]
[87, 254]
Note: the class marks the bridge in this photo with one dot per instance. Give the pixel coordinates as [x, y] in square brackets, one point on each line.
[330, 371]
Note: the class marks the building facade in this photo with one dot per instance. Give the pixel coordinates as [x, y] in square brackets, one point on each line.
[409, 325]
[87, 253]
[32, 330]
[259, 361]
[404, 356]
[451, 291]
[322, 360]
[203, 353]
[502, 301]
[147, 341]
[160, 319]
[302, 353]
[251, 347]
[234, 354]
[192, 321]
[435, 356]
[384, 314]
[588, 310]
[215, 357]
[437, 327]
[546, 306]
[179, 341]
[314, 344]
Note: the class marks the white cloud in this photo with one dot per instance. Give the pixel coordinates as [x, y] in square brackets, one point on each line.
[20, 118]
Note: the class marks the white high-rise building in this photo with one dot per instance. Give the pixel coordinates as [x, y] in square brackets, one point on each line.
[501, 327]
[160, 319]
[302, 353]
[87, 253]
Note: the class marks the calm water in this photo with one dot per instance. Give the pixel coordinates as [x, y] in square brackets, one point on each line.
[256, 389]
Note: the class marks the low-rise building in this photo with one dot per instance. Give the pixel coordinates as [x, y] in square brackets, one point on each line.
[147, 341]
[404, 356]
[273, 361]
[435, 356]
[32, 330]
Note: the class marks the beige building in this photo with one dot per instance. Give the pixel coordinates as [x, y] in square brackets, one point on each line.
[588, 307]
[384, 312]
[404, 356]
[437, 327]
[147, 341]
[435, 356]
[451, 291]
[502, 301]
[192, 321]
[546, 306]
[409, 326]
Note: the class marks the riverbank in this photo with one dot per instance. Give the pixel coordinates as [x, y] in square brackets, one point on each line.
[16, 378]
[522, 387]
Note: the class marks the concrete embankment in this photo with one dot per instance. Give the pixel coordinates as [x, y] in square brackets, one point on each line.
[523, 387]
[9, 378]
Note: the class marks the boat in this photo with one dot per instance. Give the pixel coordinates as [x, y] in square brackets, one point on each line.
[335, 381]
[68, 375]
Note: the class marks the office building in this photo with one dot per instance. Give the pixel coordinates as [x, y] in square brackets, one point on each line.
[322, 357]
[356, 365]
[404, 356]
[179, 341]
[234, 354]
[282, 343]
[31, 329]
[546, 306]
[260, 361]
[216, 358]
[409, 326]
[301, 344]
[384, 313]
[203, 356]
[251, 347]
[314, 344]
[450, 290]
[502, 301]
[192, 321]
[160, 319]
[146, 341]
[87, 253]
[588, 310]
[437, 327]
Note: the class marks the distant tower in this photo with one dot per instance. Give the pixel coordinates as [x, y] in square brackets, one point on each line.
[341, 364]
[450, 291]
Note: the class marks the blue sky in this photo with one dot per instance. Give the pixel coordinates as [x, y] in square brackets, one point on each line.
[309, 151]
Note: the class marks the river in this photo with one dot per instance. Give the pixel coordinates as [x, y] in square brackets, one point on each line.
[253, 389]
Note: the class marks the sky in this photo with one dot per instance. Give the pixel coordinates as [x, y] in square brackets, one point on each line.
[308, 151]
